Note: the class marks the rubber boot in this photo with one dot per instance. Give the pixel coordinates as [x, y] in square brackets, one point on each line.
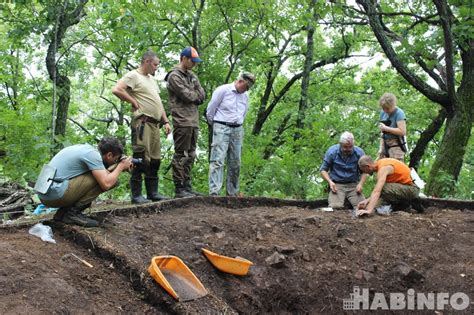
[151, 182]
[75, 216]
[181, 192]
[136, 186]
[189, 188]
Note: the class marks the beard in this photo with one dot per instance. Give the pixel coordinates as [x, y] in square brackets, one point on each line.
[105, 163]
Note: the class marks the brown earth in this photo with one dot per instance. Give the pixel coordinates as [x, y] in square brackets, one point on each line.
[305, 260]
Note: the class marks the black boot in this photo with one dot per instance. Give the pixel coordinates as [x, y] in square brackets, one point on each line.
[417, 205]
[151, 182]
[136, 186]
[58, 216]
[189, 188]
[75, 216]
[181, 192]
[151, 185]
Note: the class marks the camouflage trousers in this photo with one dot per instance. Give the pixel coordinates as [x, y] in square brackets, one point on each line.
[185, 141]
[395, 193]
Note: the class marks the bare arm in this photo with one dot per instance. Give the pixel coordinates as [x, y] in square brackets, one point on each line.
[374, 197]
[401, 129]
[108, 179]
[361, 183]
[120, 90]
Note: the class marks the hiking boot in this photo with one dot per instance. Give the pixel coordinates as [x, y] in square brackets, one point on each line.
[76, 217]
[189, 188]
[181, 192]
[139, 200]
[59, 215]
[417, 205]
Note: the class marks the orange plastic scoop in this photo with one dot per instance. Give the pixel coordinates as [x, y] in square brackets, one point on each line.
[237, 266]
[176, 278]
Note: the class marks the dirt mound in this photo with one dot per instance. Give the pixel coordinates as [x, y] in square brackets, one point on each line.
[305, 261]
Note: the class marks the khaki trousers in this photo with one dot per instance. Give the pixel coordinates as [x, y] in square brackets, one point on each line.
[145, 139]
[81, 190]
[394, 151]
[349, 191]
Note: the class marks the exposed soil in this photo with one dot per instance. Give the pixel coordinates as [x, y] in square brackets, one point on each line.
[38, 277]
[305, 261]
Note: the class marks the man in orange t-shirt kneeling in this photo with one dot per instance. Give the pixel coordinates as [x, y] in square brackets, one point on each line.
[394, 185]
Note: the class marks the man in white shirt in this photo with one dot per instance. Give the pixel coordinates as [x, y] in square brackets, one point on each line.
[226, 113]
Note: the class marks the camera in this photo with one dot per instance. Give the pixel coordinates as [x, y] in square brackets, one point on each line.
[386, 122]
[135, 161]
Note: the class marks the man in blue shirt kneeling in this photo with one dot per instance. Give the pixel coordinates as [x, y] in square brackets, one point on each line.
[341, 171]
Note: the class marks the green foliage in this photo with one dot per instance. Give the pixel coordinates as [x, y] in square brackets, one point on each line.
[231, 36]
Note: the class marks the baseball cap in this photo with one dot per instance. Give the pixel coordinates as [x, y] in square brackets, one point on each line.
[192, 53]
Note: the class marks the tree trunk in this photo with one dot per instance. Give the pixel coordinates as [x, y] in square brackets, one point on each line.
[306, 77]
[65, 16]
[63, 87]
[449, 160]
[458, 104]
[426, 136]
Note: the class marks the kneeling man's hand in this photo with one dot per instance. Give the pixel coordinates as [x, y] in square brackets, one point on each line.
[362, 204]
[360, 213]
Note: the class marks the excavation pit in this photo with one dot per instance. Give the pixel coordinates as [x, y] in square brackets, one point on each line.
[305, 260]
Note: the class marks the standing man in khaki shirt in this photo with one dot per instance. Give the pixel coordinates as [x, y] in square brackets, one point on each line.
[185, 95]
[139, 88]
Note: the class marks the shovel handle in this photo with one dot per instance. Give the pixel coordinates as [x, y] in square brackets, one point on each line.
[82, 261]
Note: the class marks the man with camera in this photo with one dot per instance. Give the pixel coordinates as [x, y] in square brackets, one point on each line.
[139, 88]
[342, 173]
[77, 175]
[185, 95]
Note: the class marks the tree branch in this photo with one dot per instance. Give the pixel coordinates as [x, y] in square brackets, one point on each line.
[431, 93]
[441, 6]
[12, 101]
[83, 128]
[36, 85]
[426, 137]
[195, 29]
[431, 73]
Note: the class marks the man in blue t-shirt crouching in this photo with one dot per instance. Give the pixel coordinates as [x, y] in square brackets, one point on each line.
[81, 175]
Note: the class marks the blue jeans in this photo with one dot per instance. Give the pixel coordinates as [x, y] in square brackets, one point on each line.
[226, 144]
